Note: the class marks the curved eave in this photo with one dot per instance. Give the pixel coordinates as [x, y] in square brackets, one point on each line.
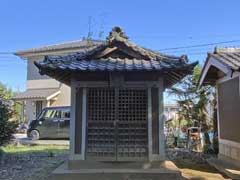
[171, 75]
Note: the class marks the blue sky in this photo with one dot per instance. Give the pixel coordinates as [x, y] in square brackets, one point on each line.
[153, 24]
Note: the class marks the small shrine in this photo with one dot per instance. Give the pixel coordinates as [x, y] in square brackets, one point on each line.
[116, 100]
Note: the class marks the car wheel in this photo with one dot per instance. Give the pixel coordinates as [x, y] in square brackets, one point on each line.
[34, 135]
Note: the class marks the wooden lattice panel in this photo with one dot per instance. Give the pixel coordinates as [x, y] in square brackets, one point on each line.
[132, 124]
[101, 129]
[117, 124]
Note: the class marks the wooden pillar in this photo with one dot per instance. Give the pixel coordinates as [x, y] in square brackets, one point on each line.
[149, 125]
[72, 120]
[77, 123]
[155, 120]
[161, 123]
[155, 123]
[84, 122]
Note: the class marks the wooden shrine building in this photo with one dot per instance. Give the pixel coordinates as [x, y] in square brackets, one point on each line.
[116, 98]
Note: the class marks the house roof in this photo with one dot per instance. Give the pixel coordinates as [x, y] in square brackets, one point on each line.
[44, 94]
[116, 54]
[219, 63]
[60, 46]
[228, 56]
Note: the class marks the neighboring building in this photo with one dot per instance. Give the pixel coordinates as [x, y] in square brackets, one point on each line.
[222, 68]
[117, 108]
[170, 111]
[43, 91]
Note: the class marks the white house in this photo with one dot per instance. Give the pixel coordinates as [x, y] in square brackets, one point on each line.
[222, 69]
[43, 91]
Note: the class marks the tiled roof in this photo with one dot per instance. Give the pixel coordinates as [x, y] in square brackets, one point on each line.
[228, 56]
[37, 94]
[117, 53]
[61, 46]
[111, 64]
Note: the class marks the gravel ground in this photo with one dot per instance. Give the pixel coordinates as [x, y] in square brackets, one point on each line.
[29, 166]
[39, 165]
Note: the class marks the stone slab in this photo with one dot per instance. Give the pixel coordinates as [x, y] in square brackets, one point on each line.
[90, 170]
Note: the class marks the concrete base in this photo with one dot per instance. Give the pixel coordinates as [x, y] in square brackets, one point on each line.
[229, 160]
[230, 150]
[92, 170]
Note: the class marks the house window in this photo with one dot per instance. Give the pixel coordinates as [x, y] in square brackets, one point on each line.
[38, 108]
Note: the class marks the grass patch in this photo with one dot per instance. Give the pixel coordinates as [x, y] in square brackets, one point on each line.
[56, 149]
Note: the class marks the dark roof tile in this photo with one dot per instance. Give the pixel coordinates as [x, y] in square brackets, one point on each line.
[111, 65]
[116, 54]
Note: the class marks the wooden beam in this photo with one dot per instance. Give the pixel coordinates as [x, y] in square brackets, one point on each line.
[177, 74]
[171, 77]
[105, 52]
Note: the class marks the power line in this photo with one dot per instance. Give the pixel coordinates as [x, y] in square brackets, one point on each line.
[198, 45]
[164, 49]
[12, 53]
[155, 36]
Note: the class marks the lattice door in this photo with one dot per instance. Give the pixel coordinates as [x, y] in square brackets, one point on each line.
[101, 130]
[117, 124]
[132, 125]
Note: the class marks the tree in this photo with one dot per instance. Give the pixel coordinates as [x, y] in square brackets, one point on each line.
[7, 127]
[193, 102]
[6, 94]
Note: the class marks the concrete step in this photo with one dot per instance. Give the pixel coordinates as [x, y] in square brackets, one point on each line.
[129, 173]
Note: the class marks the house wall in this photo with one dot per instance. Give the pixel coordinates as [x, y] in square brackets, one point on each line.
[64, 97]
[42, 84]
[36, 81]
[228, 118]
[229, 109]
[32, 70]
[30, 109]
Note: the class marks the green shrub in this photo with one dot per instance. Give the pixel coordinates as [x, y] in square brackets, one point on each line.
[7, 128]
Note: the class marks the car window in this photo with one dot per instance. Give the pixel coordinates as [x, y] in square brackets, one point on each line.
[65, 113]
[52, 113]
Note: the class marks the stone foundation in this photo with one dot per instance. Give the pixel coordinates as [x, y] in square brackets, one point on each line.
[92, 170]
[229, 152]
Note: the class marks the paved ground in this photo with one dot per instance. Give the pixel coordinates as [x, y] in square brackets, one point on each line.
[23, 139]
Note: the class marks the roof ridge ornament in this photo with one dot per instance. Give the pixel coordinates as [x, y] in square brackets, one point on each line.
[116, 33]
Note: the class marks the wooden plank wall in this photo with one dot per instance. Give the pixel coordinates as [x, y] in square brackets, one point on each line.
[229, 110]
